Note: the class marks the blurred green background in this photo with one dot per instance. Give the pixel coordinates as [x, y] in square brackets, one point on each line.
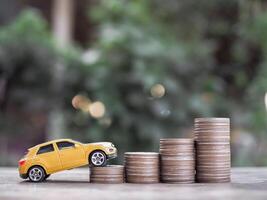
[132, 72]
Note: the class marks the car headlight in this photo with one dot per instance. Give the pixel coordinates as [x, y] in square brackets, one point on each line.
[109, 145]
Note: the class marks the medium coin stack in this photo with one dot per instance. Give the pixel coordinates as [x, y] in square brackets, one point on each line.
[213, 156]
[177, 160]
[142, 167]
[107, 174]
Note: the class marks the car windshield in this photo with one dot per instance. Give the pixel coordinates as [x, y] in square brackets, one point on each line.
[74, 141]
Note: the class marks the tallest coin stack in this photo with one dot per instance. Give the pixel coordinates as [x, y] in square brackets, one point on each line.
[213, 156]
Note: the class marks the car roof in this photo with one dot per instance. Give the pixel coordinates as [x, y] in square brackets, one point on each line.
[51, 142]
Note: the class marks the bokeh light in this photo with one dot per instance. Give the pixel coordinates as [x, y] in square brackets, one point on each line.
[265, 100]
[81, 102]
[97, 109]
[157, 91]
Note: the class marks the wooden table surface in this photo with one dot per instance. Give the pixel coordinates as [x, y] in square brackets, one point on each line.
[247, 183]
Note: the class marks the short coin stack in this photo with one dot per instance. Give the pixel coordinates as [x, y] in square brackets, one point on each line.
[142, 167]
[177, 160]
[107, 174]
[213, 156]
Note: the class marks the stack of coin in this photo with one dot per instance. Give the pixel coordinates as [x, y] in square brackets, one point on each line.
[177, 160]
[213, 156]
[107, 174]
[142, 167]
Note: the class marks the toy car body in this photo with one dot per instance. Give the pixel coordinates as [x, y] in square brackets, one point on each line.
[58, 155]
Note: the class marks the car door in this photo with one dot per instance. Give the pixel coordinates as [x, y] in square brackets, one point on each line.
[47, 156]
[70, 155]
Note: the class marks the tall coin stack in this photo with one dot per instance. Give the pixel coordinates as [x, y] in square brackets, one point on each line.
[107, 174]
[213, 156]
[142, 167]
[177, 160]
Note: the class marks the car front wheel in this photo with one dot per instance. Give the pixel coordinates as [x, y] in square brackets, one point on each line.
[36, 174]
[98, 158]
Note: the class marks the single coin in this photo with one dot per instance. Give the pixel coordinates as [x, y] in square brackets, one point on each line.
[171, 153]
[182, 174]
[211, 146]
[107, 181]
[141, 154]
[212, 143]
[212, 138]
[143, 171]
[213, 177]
[177, 167]
[212, 119]
[171, 141]
[141, 161]
[142, 180]
[212, 131]
[178, 182]
[212, 124]
[142, 165]
[213, 173]
[178, 179]
[107, 177]
[178, 176]
[202, 154]
[177, 161]
[178, 147]
[207, 135]
[212, 162]
[212, 152]
[178, 158]
[214, 170]
[142, 175]
[206, 180]
[132, 159]
[213, 167]
[213, 149]
[178, 153]
[109, 169]
[224, 126]
[177, 150]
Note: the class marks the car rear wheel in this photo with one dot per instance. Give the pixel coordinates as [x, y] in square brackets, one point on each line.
[98, 158]
[36, 174]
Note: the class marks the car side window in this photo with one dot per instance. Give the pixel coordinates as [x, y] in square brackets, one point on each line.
[45, 149]
[64, 145]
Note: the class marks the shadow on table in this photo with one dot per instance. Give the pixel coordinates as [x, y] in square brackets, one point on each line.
[251, 186]
[56, 182]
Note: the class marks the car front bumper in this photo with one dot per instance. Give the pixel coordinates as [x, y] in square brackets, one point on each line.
[111, 156]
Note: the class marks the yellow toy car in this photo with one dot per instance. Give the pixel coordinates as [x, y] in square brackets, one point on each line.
[57, 155]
